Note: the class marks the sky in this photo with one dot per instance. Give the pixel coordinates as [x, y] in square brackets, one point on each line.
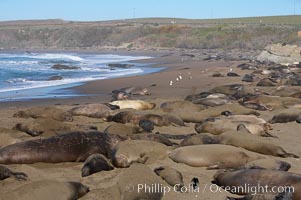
[99, 10]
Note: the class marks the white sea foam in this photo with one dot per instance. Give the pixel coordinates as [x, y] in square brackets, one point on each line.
[44, 56]
[40, 84]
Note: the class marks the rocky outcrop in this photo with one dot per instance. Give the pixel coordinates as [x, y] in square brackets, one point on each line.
[120, 65]
[64, 67]
[281, 54]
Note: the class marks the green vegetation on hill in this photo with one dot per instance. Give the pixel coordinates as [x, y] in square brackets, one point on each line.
[242, 33]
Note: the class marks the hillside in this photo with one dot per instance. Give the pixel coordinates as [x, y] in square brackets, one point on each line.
[239, 33]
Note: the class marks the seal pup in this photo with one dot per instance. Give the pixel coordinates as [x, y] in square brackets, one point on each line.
[172, 176]
[6, 173]
[96, 163]
[71, 147]
[134, 104]
[212, 156]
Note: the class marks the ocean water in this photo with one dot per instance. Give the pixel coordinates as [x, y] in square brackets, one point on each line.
[26, 75]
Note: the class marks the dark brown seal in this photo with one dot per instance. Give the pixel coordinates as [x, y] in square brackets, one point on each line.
[71, 147]
[96, 163]
[255, 177]
[172, 176]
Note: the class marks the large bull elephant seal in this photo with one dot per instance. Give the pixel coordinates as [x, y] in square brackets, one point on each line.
[71, 147]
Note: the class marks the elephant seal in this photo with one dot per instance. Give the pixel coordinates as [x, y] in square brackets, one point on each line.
[253, 143]
[135, 177]
[272, 102]
[152, 137]
[172, 176]
[200, 116]
[248, 78]
[47, 190]
[234, 90]
[202, 138]
[212, 101]
[6, 173]
[286, 195]
[287, 116]
[134, 104]
[217, 126]
[134, 151]
[91, 110]
[135, 117]
[255, 177]
[47, 127]
[269, 163]
[96, 163]
[135, 90]
[45, 112]
[188, 106]
[266, 82]
[146, 125]
[119, 95]
[122, 129]
[71, 147]
[212, 156]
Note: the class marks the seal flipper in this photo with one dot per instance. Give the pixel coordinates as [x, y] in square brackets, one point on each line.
[215, 166]
[287, 155]
[20, 176]
[267, 134]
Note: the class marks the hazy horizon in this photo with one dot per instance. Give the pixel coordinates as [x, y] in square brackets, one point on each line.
[93, 10]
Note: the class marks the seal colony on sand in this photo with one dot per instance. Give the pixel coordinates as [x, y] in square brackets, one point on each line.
[142, 150]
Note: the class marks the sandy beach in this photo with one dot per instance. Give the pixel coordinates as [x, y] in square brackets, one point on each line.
[196, 76]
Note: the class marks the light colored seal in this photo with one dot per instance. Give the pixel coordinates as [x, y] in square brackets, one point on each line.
[197, 116]
[219, 125]
[91, 110]
[212, 156]
[253, 143]
[134, 104]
